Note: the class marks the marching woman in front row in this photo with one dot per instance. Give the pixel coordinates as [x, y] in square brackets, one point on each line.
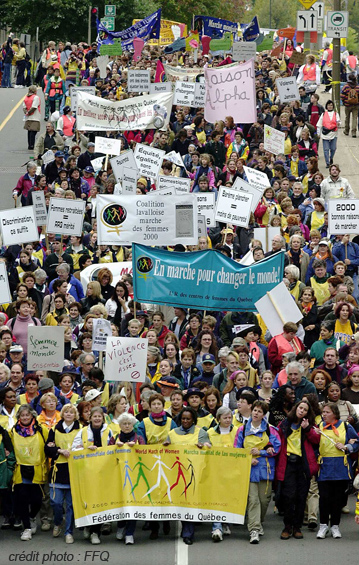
[264, 442]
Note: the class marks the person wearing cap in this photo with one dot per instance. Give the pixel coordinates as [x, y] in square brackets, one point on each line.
[52, 169]
[208, 364]
[325, 255]
[167, 385]
[194, 397]
[16, 355]
[85, 158]
[348, 252]
[88, 174]
[93, 397]
[55, 91]
[47, 385]
[66, 123]
[228, 235]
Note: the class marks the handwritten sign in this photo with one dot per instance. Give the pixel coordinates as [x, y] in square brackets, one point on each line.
[243, 50]
[38, 200]
[297, 58]
[138, 81]
[126, 359]
[101, 331]
[45, 349]
[273, 140]
[184, 93]
[231, 92]
[107, 145]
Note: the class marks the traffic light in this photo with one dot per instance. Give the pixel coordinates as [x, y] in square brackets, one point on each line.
[94, 17]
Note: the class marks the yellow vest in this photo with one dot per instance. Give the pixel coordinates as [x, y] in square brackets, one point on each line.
[4, 420]
[205, 421]
[64, 441]
[294, 446]
[22, 399]
[156, 434]
[295, 291]
[29, 451]
[256, 441]
[235, 421]
[317, 220]
[326, 447]
[321, 290]
[186, 439]
[115, 428]
[343, 332]
[85, 439]
[222, 440]
[105, 395]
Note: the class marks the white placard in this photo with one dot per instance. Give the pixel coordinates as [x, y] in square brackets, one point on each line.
[244, 50]
[102, 63]
[257, 178]
[279, 309]
[48, 157]
[233, 207]
[148, 160]
[5, 294]
[107, 145]
[287, 89]
[199, 99]
[138, 81]
[180, 184]
[206, 205]
[45, 348]
[174, 158]
[125, 159]
[38, 200]
[100, 332]
[65, 216]
[184, 93]
[273, 140]
[159, 87]
[166, 192]
[117, 189]
[129, 181]
[151, 219]
[75, 89]
[202, 228]
[265, 236]
[343, 216]
[126, 359]
[257, 193]
[97, 163]
[18, 226]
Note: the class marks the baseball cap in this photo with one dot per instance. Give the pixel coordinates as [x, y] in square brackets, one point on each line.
[239, 341]
[59, 154]
[89, 169]
[45, 383]
[92, 394]
[17, 348]
[208, 358]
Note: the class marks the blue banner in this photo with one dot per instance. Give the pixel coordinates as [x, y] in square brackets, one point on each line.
[206, 280]
[250, 31]
[214, 27]
[148, 28]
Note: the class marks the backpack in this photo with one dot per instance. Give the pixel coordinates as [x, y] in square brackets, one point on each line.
[352, 98]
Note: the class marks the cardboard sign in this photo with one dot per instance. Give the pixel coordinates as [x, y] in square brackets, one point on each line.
[138, 81]
[148, 160]
[129, 181]
[233, 207]
[75, 89]
[180, 184]
[265, 236]
[277, 307]
[5, 294]
[273, 140]
[48, 157]
[174, 158]
[297, 58]
[18, 226]
[244, 50]
[240, 184]
[159, 87]
[65, 216]
[202, 228]
[101, 331]
[107, 145]
[184, 93]
[45, 349]
[199, 99]
[97, 163]
[126, 359]
[206, 204]
[125, 159]
[287, 89]
[343, 216]
[257, 178]
[38, 200]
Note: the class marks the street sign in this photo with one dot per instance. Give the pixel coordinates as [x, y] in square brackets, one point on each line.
[110, 10]
[320, 26]
[337, 24]
[319, 7]
[307, 4]
[109, 23]
[307, 21]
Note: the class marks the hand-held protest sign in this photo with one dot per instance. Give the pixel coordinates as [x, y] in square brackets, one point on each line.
[244, 50]
[38, 200]
[100, 332]
[75, 89]
[107, 145]
[5, 294]
[18, 225]
[243, 186]
[233, 207]
[257, 178]
[273, 140]
[231, 92]
[343, 216]
[148, 159]
[287, 89]
[125, 159]
[206, 205]
[138, 80]
[277, 308]
[160, 87]
[45, 348]
[180, 184]
[126, 359]
[129, 180]
[184, 93]
[265, 236]
[65, 216]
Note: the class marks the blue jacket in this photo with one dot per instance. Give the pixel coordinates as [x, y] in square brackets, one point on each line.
[302, 167]
[334, 468]
[265, 468]
[330, 268]
[352, 254]
[75, 290]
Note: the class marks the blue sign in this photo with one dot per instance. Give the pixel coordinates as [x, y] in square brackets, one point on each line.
[148, 28]
[214, 27]
[202, 279]
[250, 31]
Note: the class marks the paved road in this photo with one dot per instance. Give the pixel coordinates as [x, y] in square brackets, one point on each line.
[169, 550]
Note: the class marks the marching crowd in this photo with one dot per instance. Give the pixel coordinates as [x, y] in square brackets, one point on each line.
[217, 379]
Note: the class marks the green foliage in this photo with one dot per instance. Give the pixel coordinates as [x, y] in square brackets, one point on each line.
[282, 14]
[352, 40]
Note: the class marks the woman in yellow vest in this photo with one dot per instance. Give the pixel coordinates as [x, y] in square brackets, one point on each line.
[31, 387]
[96, 435]
[154, 430]
[67, 387]
[194, 398]
[345, 327]
[59, 309]
[58, 448]
[264, 444]
[8, 408]
[28, 438]
[337, 440]
[319, 282]
[221, 435]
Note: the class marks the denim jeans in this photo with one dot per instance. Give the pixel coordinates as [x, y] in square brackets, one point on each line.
[329, 148]
[57, 498]
[6, 77]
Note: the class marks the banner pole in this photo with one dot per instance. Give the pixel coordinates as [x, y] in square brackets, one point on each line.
[100, 360]
[106, 162]
[275, 307]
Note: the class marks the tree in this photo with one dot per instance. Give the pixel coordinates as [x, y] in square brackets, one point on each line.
[282, 14]
[352, 40]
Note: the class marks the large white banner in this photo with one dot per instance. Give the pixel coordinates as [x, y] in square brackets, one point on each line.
[65, 216]
[126, 359]
[233, 207]
[151, 219]
[75, 89]
[343, 216]
[45, 348]
[18, 225]
[142, 112]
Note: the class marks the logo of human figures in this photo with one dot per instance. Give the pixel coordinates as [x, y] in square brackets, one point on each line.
[144, 266]
[113, 216]
[184, 479]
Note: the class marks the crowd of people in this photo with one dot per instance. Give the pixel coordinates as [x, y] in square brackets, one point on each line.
[212, 379]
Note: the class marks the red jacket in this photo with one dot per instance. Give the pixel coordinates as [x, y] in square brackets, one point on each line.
[310, 439]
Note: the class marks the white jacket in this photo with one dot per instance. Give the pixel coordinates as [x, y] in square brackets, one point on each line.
[336, 189]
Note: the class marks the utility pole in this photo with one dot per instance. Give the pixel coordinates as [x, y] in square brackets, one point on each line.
[336, 65]
[89, 27]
